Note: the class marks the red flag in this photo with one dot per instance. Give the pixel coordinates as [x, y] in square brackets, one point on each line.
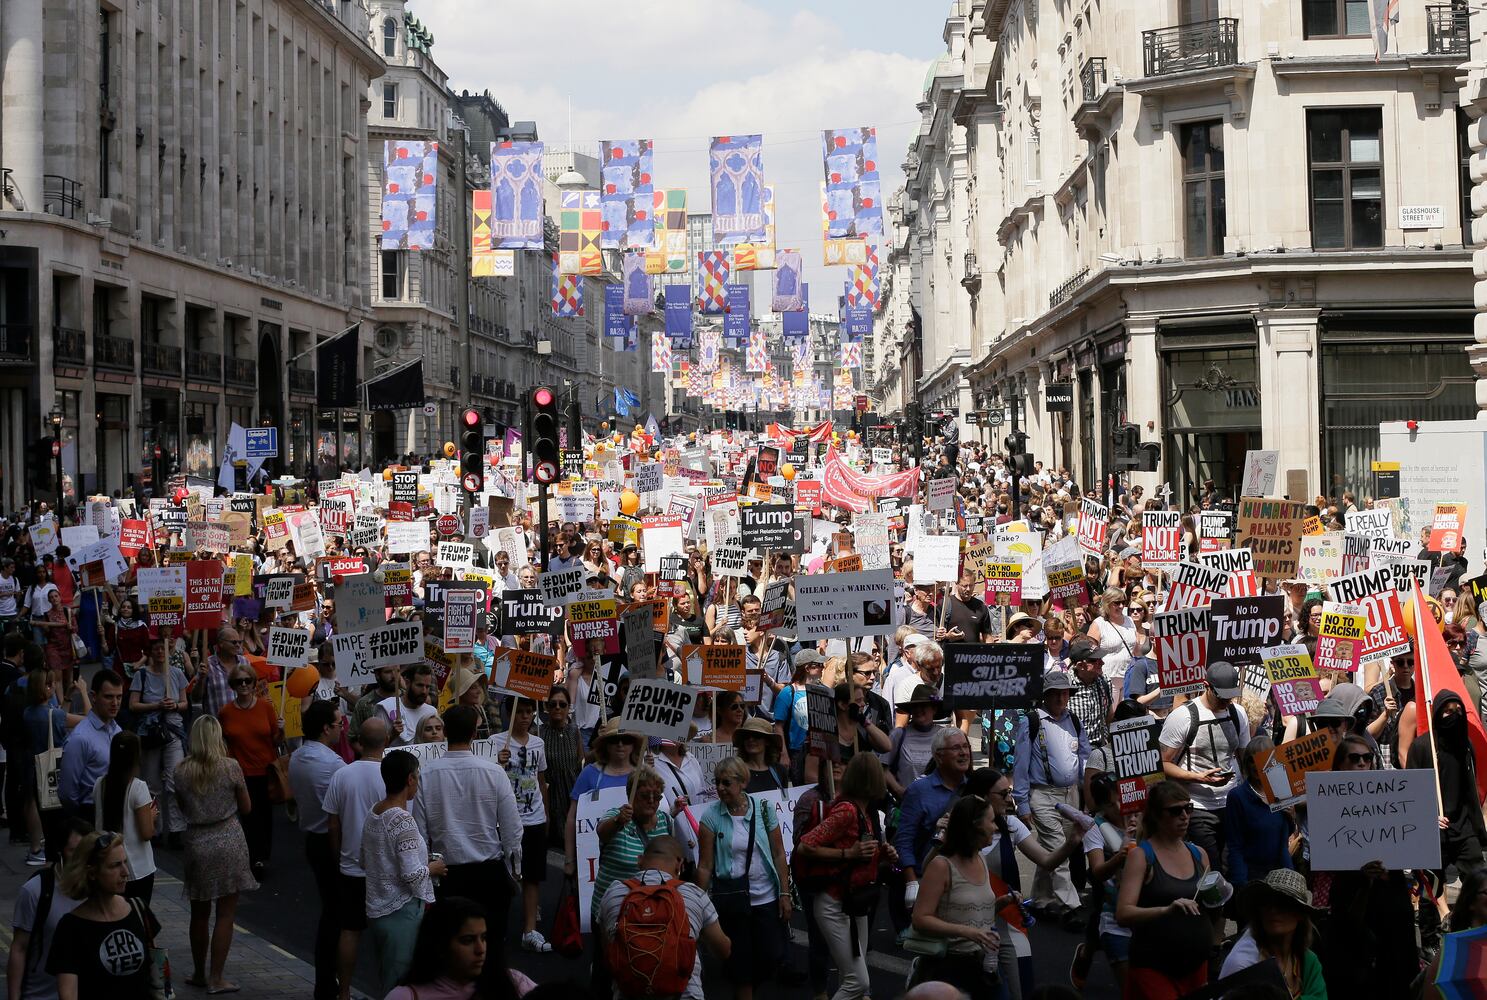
[1435, 672]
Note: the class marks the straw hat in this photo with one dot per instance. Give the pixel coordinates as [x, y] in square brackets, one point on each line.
[757, 727]
[461, 681]
[611, 731]
[1282, 886]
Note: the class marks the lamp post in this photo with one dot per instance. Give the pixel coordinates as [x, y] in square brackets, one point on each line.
[55, 418]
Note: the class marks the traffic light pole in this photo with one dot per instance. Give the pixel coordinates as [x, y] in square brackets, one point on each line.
[542, 525]
[1012, 463]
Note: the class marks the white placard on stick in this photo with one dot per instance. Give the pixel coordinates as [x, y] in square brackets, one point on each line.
[288, 647]
[840, 605]
[658, 708]
[1355, 817]
[937, 559]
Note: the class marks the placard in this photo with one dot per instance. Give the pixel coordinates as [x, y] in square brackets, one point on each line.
[1180, 647]
[407, 537]
[1271, 528]
[524, 612]
[1375, 523]
[1136, 753]
[939, 493]
[1321, 558]
[1446, 527]
[396, 644]
[1239, 627]
[1293, 679]
[715, 667]
[658, 708]
[203, 595]
[1374, 591]
[1283, 769]
[1004, 576]
[730, 561]
[1215, 530]
[1094, 524]
[1194, 585]
[660, 536]
[1161, 538]
[288, 647]
[456, 554]
[841, 605]
[1341, 636]
[821, 738]
[937, 559]
[1260, 469]
[559, 585]
[637, 621]
[993, 674]
[405, 487]
[777, 527]
[524, 673]
[459, 620]
[397, 585]
[1354, 817]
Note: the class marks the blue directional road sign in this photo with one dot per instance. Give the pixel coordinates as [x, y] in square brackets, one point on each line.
[263, 442]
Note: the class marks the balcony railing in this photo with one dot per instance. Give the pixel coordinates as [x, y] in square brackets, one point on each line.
[160, 359]
[1446, 30]
[241, 371]
[302, 380]
[1061, 294]
[204, 366]
[15, 343]
[61, 195]
[113, 352]
[69, 346]
[1092, 78]
[1203, 45]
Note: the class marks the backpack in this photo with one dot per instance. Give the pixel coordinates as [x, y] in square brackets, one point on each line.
[1035, 730]
[1193, 724]
[652, 950]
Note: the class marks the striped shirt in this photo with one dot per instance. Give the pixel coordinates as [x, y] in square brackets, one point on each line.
[216, 690]
[620, 857]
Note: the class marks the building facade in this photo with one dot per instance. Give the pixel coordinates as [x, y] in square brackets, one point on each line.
[181, 219]
[1232, 225]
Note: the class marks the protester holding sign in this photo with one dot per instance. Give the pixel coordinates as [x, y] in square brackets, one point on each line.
[616, 755]
[1463, 831]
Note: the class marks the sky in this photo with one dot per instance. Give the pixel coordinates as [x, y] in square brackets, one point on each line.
[681, 72]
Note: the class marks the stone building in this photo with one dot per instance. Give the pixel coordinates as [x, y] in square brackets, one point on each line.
[182, 214]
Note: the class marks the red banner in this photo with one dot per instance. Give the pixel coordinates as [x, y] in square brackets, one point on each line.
[845, 487]
[133, 536]
[203, 594]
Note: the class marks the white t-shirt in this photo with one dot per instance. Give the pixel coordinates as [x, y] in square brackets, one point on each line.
[524, 770]
[1245, 953]
[137, 850]
[40, 985]
[351, 794]
[10, 590]
[406, 720]
[761, 886]
[992, 852]
[1215, 744]
[40, 605]
[1106, 836]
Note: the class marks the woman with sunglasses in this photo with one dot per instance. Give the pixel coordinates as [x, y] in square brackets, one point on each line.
[559, 737]
[1170, 935]
[1115, 634]
[101, 948]
[212, 795]
[1368, 938]
[731, 713]
[253, 732]
[522, 753]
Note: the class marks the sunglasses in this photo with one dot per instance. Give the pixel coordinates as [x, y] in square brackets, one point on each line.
[243, 682]
[1180, 810]
[557, 704]
[1366, 757]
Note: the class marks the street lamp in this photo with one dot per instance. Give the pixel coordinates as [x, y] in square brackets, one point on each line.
[55, 418]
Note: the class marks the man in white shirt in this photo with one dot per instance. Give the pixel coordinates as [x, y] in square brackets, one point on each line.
[351, 794]
[10, 593]
[406, 713]
[311, 769]
[1200, 744]
[467, 812]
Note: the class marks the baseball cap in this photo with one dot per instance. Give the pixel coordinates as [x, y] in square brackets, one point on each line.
[808, 656]
[1056, 680]
[917, 639]
[1084, 648]
[1223, 677]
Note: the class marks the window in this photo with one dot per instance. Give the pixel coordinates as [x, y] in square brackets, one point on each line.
[393, 272]
[389, 100]
[390, 37]
[1464, 163]
[1203, 207]
[1347, 178]
[1334, 18]
[1034, 158]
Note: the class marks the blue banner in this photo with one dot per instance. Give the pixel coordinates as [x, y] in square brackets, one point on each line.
[797, 322]
[736, 323]
[679, 317]
[516, 195]
[854, 190]
[626, 197]
[616, 323]
[857, 322]
[737, 182]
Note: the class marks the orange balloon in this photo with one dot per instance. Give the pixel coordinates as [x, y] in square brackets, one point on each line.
[1436, 610]
[302, 681]
[449, 449]
[788, 471]
[629, 502]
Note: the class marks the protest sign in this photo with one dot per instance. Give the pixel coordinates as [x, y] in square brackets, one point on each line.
[166, 580]
[397, 585]
[1375, 523]
[1340, 638]
[589, 809]
[288, 647]
[559, 585]
[203, 594]
[1094, 523]
[716, 667]
[1239, 627]
[637, 622]
[459, 620]
[1293, 679]
[359, 603]
[1180, 646]
[456, 554]
[777, 614]
[841, 605]
[278, 592]
[1194, 585]
[166, 609]
[766, 526]
[407, 537]
[133, 536]
[44, 537]
[1355, 817]
[939, 493]
[593, 614]
[1003, 580]
[405, 487]
[1137, 758]
[478, 523]
[524, 673]
[660, 536]
[1311, 525]
[708, 756]
[1355, 554]
[937, 559]
[397, 644]
[523, 612]
[1064, 567]
[870, 539]
[304, 596]
[1161, 538]
[1389, 549]
[821, 738]
[1259, 473]
[1215, 530]
[658, 708]
[1272, 530]
[1321, 558]
[730, 561]
[1284, 768]
[1446, 527]
[1374, 591]
[993, 674]
[649, 477]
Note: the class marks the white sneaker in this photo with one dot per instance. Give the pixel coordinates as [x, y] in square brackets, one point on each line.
[36, 859]
[534, 941]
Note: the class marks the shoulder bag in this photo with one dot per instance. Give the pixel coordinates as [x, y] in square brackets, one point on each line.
[49, 770]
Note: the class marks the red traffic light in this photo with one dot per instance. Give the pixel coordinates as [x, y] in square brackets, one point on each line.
[471, 418]
[543, 397]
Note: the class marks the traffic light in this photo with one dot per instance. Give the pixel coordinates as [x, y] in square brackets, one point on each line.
[1019, 460]
[472, 450]
[1148, 456]
[542, 438]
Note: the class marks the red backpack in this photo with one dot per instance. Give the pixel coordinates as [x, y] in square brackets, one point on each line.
[652, 950]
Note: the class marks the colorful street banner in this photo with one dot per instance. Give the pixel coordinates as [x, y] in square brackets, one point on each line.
[712, 280]
[863, 285]
[679, 317]
[639, 300]
[757, 356]
[482, 251]
[851, 354]
[669, 213]
[660, 354]
[737, 182]
[709, 343]
[627, 195]
[787, 284]
[838, 250]
[854, 192]
[797, 322]
[567, 293]
[857, 323]
[411, 169]
[516, 189]
[580, 224]
[616, 323]
[736, 322]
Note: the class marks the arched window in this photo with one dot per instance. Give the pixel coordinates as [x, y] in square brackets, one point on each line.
[390, 37]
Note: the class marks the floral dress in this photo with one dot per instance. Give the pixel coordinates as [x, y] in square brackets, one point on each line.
[216, 850]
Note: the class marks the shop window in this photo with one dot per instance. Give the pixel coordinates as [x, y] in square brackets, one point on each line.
[1334, 18]
[1203, 206]
[1344, 149]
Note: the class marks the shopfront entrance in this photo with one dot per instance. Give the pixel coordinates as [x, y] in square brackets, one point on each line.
[1212, 417]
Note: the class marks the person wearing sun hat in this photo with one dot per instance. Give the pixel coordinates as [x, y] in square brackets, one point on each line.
[759, 747]
[1279, 913]
[1052, 751]
[616, 754]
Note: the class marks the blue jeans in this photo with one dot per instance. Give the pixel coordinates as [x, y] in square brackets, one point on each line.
[392, 942]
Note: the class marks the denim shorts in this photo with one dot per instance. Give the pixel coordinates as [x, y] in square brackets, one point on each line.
[1117, 947]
